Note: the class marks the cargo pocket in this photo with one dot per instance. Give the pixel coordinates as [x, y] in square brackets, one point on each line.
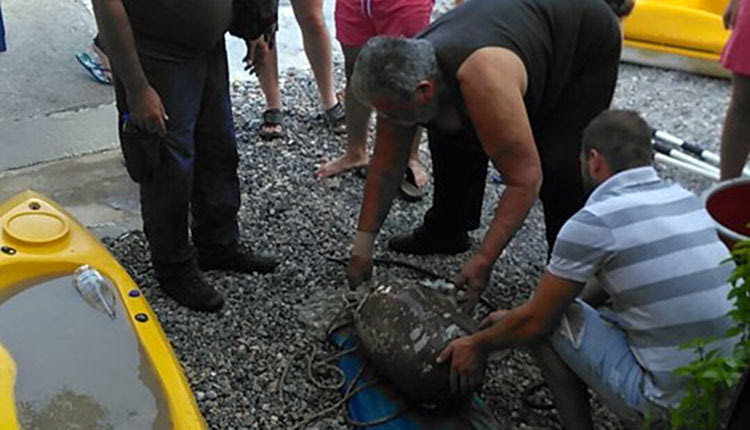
[142, 154]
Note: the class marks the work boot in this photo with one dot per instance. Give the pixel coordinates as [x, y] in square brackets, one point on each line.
[190, 290]
[243, 262]
[420, 242]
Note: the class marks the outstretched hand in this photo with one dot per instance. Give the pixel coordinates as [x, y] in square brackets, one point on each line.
[467, 364]
[475, 275]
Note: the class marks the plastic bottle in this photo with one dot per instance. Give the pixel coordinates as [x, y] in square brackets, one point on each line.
[97, 290]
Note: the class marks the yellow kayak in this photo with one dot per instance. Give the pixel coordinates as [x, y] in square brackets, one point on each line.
[79, 344]
[678, 34]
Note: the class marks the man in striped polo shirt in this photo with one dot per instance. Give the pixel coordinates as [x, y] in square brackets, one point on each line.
[653, 252]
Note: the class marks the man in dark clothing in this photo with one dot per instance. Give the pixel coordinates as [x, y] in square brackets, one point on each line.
[512, 81]
[177, 136]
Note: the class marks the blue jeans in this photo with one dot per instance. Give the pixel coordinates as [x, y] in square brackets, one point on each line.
[3, 47]
[599, 353]
[193, 169]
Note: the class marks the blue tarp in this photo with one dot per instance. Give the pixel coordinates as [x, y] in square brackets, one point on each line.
[378, 401]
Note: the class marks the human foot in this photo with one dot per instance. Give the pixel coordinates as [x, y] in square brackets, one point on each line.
[421, 177]
[340, 165]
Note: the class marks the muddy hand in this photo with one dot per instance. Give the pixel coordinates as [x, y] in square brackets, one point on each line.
[359, 270]
[466, 364]
[475, 275]
[147, 111]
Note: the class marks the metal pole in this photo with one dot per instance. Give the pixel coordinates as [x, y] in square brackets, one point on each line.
[686, 166]
[690, 148]
[679, 155]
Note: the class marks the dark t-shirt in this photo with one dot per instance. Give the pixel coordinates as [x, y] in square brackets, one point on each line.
[177, 30]
[557, 40]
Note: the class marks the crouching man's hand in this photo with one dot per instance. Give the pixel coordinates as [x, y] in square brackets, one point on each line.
[467, 364]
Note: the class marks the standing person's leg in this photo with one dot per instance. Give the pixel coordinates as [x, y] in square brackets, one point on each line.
[459, 169]
[317, 41]
[736, 58]
[216, 194]
[735, 144]
[421, 177]
[271, 126]
[404, 19]
[357, 123]
[164, 168]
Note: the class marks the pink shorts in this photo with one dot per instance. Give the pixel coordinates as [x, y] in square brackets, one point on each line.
[359, 20]
[736, 54]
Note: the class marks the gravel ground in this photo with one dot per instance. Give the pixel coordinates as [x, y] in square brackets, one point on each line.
[235, 360]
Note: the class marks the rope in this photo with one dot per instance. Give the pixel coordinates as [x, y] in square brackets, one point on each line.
[323, 365]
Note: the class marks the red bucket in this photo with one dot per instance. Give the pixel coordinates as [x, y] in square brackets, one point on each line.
[728, 204]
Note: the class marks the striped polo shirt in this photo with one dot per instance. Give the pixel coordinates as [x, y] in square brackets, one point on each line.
[655, 251]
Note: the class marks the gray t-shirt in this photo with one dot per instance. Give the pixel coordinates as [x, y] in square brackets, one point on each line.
[177, 30]
[655, 251]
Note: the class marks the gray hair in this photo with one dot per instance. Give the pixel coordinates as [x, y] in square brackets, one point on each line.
[393, 66]
[622, 137]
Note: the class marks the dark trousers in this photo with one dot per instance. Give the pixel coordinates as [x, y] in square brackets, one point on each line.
[459, 164]
[191, 170]
[3, 47]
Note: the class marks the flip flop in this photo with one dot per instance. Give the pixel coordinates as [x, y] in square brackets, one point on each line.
[94, 68]
[272, 118]
[409, 190]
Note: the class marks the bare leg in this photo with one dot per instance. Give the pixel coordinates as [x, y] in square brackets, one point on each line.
[317, 41]
[357, 121]
[735, 144]
[420, 174]
[268, 78]
[569, 392]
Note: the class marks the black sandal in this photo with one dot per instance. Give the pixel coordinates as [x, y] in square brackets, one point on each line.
[271, 118]
[336, 118]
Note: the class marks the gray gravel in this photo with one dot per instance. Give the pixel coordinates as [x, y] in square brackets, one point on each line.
[235, 360]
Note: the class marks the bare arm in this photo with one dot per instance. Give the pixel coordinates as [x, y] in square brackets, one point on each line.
[519, 326]
[145, 106]
[493, 92]
[114, 27]
[533, 319]
[384, 174]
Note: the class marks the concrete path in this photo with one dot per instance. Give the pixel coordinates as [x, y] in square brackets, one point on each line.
[57, 125]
